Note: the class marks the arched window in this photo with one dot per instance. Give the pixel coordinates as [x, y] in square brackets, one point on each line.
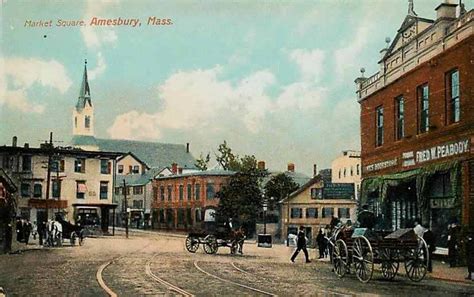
[352, 170]
[339, 173]
[345, 172]
[87, 121]
[358, 169]
[75, 122]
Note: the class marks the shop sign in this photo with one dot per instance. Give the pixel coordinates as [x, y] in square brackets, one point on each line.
[408, 159]
[381, 165]
[443, 151]
[442, 203]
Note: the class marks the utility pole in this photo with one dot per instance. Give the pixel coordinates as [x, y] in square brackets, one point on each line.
[126, 207]
[48, 177]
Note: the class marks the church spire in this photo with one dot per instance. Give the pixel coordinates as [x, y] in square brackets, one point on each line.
[85, 91]
[411, 10]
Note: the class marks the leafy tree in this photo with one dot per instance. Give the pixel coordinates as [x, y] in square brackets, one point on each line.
[279, 187]
[202, 162]
[226, 158]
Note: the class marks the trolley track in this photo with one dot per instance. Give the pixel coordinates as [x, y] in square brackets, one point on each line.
[169, 286]
[253, 289]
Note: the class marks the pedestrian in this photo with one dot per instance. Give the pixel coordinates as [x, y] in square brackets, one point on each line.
[453, 245]
[301, 245]
[41, 231]
[27, 231]
[334, 222]
[470, 254]
[366, 218]
[34, 230]
[419, 229]
[19, 230]
[320, 241]
[429, 238]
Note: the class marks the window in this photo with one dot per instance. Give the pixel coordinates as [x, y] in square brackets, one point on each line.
[137, 204]
[6, 161]
[379, 125]
[25, 190]
[130, 169]
[181, 216]
[75, 122]
[189, 191]
[339, 173]
[328, 212]
[454, 102]
[197, 215]
[80, 165]
[56, 189]
[345, 172]
[57, 166]
[170, 193]
[358, 169]
[104, 189]
[210, 192]
[400, 117]
[162, 193]
[37, 190]
[120, 169]
[312, 213]
[136, 169]
[197, 191]
[81, 189]
[137, 190]
[343, 213]
[26, 164]
[118, 191]
[440, 186]
[316, 193]
[296, 213]
[423, 99]
[105, 166]
[87, 121]
[181, 192]
[352, 171]
[162, 215]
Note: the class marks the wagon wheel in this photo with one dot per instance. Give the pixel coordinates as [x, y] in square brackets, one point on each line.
[192, 244]
[416, 260]
[363, 259]
[390, 263]
[72, 238]
[210, 247]
[339, 258]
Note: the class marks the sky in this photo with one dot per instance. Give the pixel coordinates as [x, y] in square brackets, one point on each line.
[275, 79]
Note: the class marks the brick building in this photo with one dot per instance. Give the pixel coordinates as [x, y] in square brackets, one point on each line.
[417, 124]
[183, 201]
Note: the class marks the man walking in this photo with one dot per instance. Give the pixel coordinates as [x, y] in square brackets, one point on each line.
[301, 245]
[470, 255]
[321, 246]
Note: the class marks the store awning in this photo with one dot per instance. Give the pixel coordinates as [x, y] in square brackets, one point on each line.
[108, 205]
[47, 203]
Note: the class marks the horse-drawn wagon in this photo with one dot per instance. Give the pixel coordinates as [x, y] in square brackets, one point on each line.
[211, 241]
[362, 248]
[60, 229]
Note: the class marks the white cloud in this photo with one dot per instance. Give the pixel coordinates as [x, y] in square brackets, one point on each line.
[95, 38]
[134, 125]
[310, 63]
[22, 74]
[99, 68]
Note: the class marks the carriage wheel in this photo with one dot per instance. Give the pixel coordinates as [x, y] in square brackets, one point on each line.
[72, 238]
[210, 247]
[363, 259]
[339, 258]
[192, 244]
[390, 263]
[416, 260]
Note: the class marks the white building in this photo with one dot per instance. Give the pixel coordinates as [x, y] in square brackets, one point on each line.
[347, 169]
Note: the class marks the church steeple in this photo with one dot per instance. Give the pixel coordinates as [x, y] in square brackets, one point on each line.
[84, 92]
[411, 10]
[83, 113]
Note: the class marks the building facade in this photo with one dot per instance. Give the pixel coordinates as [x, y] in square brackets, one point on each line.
[7, 209]
[77, 184]
[417, 124]
[188, 200]
[347, 169]
[314, 204]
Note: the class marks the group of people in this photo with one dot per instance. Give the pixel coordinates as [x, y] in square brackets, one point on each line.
[24, 228]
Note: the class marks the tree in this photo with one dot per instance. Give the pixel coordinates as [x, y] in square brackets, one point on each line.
[202, 162]
[226, 158]
[279, 187]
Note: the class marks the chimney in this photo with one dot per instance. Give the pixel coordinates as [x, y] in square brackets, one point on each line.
[187, 147]
[261, 165]
[180, 170]
[446, 10]
[315, 170]
[27, 145]
[291, 167]
[14, 141]
[174, 168]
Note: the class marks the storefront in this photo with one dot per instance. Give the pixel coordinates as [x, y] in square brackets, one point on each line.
[435, 189]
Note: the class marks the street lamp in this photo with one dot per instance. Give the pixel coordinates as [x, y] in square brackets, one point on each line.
[265, 207]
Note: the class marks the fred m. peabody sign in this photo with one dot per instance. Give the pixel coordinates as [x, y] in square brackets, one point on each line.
[443, 151]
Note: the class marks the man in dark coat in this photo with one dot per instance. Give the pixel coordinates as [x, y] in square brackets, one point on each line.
[321, 243]
[366, 218]
[19, 230]
[301, 245]
[429, 238]
[27, 231]
[41, 231]
[453, 245]
[470, 255]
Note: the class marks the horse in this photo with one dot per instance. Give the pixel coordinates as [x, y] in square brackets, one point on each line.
[54, 231]
[238, 239]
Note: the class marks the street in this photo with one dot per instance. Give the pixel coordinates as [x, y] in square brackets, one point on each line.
[151, 264]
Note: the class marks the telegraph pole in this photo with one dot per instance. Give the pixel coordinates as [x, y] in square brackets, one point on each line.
[126, 207]
[48, 177]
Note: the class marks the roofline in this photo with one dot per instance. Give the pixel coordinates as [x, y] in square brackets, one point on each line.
[303, 187]
[46, 151]
[135, 156]
[9, 185]
[197, 173]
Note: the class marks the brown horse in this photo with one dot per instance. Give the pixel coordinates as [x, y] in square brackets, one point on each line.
[238, 238]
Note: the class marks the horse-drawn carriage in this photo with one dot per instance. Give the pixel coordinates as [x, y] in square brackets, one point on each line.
[212, 240]
[58, 230]
[361, 248]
